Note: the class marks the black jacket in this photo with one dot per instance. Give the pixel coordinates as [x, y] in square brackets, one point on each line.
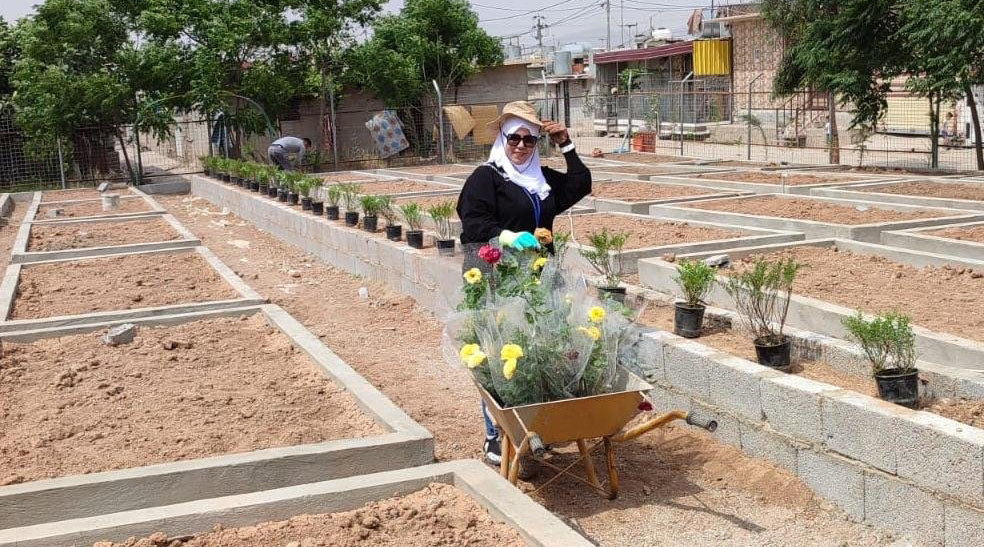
[489, 204]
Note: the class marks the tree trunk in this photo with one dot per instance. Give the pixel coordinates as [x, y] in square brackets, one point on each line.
[934, 130]
[976, 122]
[321, 116]
[835, 154]
[126, 157]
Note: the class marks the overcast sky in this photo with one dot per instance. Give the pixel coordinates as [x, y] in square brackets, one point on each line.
[570, 21]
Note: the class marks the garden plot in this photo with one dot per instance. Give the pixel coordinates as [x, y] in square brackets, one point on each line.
[645, 172]
[635, 196]
[404, 187]
[641, 157]
[648, 236]
[943, 295]
[761, 181]
[428, 172]
[345, 176]
[960, 240]
[129, 205]
[924, 193]
[76, 194]
[816, 217]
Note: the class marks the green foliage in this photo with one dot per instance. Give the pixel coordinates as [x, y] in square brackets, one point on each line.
[605, 254]
[388, 211]
[696, 279]
[761, 295]
[371, 205]
[628, 74]
[9, 53]
[412, 215]
[887, 340]
[442, 213]
[350, 192]
[334, 194]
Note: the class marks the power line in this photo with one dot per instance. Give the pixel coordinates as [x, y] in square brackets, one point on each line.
[585, 10]
[523, 14]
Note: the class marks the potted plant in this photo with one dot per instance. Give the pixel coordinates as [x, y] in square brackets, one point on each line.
[224, 168]
[333, 195]
[605, 256]
[761, 295]
[238, 172]
[303, 186]
[696, 280]
[411, 214]
[441, 214]
[264, 176]
[890, 345]
[317, 204]
[371, 206]
[283, 186]
[208, 165]
[350, 197]
[394, 231]
[293, 196]
[257, 176]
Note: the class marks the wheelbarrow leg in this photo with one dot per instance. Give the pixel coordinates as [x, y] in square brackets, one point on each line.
[517, 453]
[589, 467]
[505, 453]
[612, 470]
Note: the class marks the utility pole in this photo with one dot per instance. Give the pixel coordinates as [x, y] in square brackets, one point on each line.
[621, 21]
[538, 26]
[608, 24]
[631, 34]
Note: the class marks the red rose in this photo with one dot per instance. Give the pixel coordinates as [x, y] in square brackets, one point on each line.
[489, 254]
[645, 406]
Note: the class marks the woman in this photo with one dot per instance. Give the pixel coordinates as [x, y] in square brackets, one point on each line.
[513, 192]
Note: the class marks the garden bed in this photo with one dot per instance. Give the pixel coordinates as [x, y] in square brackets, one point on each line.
[429, 201]
[963, 233]
[933, 189]
[631, 190]
[435, 169]
[773, 177]
[79, 193]
[116, 283]
[639, 157]
[77, 235]
[401, 186]
[72, 405]
[338, 178]
[811, 209]
[94, 208]
[643, 232]
[642, 170]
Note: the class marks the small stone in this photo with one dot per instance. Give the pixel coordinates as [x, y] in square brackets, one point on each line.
[718, 261]
[294, 544]
[122, 334]
[669, 257]
[12, 479]
[158, 538]
[137, 298]
[898, 275]
[54, 213]
[103, 544]
[103, 187]
[294, 273]
[646, 490]
[976, 275]
[171, 344]
[370, 522]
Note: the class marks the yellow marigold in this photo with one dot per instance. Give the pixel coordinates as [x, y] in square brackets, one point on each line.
[473, 276]
[592, 332]
[539, 263]
[596, 314]
[467, 351]
[543, 235]
[510, 351]
[475, 359]
[509, 368]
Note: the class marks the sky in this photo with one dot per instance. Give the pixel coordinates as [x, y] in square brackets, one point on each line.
[581, 21]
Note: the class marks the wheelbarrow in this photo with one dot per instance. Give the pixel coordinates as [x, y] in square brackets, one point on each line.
[600, 419]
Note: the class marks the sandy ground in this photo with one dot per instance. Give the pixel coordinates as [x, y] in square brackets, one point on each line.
[736, 163]
[772, 177]
[9, 227]
[56, 237]
[679, 487]
[434, 169]
[335, 178]
[79, 193]
[440, 514]
[634, 190]
[117, 283]
[643, 232]
[72, 405]
[942, 299]
[94, 208]
[952, 190]
[634, 169]
[399, 186]
[809, 209]
[642, 157]
[971, 233]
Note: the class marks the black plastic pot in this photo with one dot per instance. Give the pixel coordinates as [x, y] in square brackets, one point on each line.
[394, 232]
[240, 182]
[317, 208]
[415, 238]
[687, 321]
[370, 223]
[901, 388]
[292, 198]
[226, 178]
[351, 218]
[256, 186]
[615, 293]
[272, 191]
[305, 204]
[282, 194]
[264, 189]
[771, 354]
[331, 211]
[445, 247]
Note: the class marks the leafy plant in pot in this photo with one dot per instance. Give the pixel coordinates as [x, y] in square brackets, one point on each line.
[333, 195]
[265, 174]
[441, 214]
[761, 295]
[317, 204]
[387, 210]
[283, 186]
[350, 198]
[605, 256]
[371, 206]
[890, 345]
[223, 168]
[411, 213]
[696, 279]
[293, 182]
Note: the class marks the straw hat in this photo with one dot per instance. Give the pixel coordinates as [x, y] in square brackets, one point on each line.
[523, 110]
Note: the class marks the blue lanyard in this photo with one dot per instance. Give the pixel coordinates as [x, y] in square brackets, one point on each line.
[535, 200]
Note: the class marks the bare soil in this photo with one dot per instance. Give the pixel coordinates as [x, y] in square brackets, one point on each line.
[116, 283]
[635, 169]
[642, 157]
[434, 169]
[739, 163]
[963, 233]
[399, 186]
[643, 232]
[952, 190]
[809, 209]
[78, 193]
[635, 190]
[941, 299]
[679, 487]
[72, 405]
[9, 226]
[94, 208]
[440, 514]
[772, 177]
[56, 237]
[336, 178]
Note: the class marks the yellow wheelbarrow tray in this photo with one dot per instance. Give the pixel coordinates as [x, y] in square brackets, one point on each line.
[602, 418]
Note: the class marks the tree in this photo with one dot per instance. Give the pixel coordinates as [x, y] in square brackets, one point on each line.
[9, 53]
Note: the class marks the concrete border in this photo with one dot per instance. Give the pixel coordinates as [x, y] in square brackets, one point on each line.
[114, 187]
[173, 187]
[536, 525]
[870, 233]
[20, 254]
[405, 444]
[615, 205]
[155, 209]
[920, 239]
[6, 204]
[765, 188]
[824, 317]
[430, 177]
[855, 192]
[672, 170]
[8, 293]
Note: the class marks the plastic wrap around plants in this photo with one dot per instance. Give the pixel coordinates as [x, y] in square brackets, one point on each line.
[530, 332]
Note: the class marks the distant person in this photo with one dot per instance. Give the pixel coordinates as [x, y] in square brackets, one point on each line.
[280, 150]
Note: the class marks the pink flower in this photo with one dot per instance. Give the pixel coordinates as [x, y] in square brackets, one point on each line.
[645, 406]
[489, 254]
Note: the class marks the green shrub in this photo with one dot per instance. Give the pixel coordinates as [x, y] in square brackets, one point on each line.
[887, 340]
[442, 214]
[696, 279]
[761, 296]
[605, 254]
[411, 213]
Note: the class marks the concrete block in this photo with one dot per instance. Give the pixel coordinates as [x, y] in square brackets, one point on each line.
[963, 526]
[651, 356]
[122, 334]
[899, 506]
[685, 364]
[667, 400]
[54, 212]
[942, 455]
[791, 406]
[103, 186]
[761, 442]
[834, 478]
[733, 384]
[110, 202]
[862, 428]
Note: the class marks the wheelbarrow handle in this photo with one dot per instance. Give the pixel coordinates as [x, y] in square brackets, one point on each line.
[705, 423]
[662, 420]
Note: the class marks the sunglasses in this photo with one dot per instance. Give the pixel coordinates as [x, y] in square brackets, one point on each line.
[514, 139]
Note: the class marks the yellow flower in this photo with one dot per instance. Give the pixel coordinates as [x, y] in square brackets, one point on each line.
[593, 332]
[510, 351]
[509, 368]
[468, 350]
[539, 263]
[568, 298]
[473, 276]
[596, 314]
[475, 359]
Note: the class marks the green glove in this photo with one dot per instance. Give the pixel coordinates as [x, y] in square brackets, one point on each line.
[519, 241]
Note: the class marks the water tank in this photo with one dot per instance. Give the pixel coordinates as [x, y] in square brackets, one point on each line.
[576, 50]
[548, 50]
[513, 51]
[562, 63]
[662, 33]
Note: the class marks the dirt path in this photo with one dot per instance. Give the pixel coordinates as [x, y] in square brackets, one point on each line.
[679, 487]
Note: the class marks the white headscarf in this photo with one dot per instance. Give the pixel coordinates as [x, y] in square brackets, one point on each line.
[528, 175]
